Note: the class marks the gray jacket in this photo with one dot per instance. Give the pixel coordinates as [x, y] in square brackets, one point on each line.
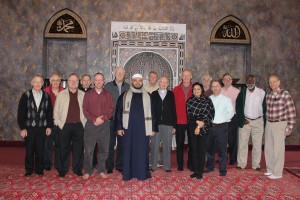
[112, 87]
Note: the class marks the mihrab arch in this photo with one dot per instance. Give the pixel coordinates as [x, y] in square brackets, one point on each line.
[161, 45]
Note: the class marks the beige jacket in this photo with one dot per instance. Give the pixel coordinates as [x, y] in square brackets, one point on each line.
[61, 108]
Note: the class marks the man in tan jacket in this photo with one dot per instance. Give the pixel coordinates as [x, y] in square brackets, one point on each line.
[69, 118]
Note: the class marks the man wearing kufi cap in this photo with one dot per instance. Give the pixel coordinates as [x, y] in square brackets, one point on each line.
[135, 121]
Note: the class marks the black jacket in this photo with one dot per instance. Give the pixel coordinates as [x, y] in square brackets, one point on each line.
[165, 109]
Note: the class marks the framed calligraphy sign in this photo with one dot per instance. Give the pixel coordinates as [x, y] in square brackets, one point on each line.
[65, 24]
[230, 30]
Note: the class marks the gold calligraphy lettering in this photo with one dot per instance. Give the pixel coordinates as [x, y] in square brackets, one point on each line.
[65, 25]
[231, 32]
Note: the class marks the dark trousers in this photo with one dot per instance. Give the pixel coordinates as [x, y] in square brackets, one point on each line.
[72, 133]
[52, 138]
[233, 139]
[35, 143]
[198, 146]
[180, 138]
[217, 138]
[95, 161]
[110, 161]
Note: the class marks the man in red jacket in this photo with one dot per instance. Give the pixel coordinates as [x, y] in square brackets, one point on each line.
[53, 89]
[181, 93]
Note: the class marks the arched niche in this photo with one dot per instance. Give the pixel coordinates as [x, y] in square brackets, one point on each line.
[65, 45]
[145, 62]
[230, 49]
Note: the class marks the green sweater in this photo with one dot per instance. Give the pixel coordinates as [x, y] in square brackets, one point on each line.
[239, 107]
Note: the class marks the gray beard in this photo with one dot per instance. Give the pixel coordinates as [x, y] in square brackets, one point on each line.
[250, 86]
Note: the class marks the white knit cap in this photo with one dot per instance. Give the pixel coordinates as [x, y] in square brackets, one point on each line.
[137, 76]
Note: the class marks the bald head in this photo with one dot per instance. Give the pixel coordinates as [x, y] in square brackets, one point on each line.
[274, 83]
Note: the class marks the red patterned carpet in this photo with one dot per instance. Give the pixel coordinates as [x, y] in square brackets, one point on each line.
[239, 184]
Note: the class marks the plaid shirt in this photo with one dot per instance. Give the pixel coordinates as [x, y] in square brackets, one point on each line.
[280, 107]
[200, 109]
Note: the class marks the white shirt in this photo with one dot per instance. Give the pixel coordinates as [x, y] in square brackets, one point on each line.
[162, 94]
[37, 97]
[254, 103]
[223, 109]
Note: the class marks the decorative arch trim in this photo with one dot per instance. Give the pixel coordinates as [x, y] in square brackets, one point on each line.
[230, 30]
[65, 24]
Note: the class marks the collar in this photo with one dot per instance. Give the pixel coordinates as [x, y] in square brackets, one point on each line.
[115, 82]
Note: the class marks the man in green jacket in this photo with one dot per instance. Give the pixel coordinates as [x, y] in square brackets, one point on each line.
[250, 110]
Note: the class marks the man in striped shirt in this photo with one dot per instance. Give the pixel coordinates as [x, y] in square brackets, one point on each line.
[281, 118]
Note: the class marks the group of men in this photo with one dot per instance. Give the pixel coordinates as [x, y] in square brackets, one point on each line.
[129, 116]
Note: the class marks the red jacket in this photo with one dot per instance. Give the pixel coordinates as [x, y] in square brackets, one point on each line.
[180, 102]
[52, 95]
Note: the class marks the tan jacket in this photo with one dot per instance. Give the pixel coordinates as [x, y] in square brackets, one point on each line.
[61, 108]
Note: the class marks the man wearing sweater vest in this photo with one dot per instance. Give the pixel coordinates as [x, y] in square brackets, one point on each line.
[35, 121]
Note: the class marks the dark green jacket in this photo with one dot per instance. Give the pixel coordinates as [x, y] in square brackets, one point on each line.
[239, 107]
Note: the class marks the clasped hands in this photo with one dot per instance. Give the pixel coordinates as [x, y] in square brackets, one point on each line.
[98, 121]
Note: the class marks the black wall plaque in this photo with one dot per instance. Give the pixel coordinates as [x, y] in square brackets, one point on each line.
[65, 24]
[230, 30]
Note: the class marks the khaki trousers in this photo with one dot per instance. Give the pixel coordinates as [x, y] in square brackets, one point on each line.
[255, 128]
[275, 147]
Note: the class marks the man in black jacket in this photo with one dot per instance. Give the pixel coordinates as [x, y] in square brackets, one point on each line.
[166, 117]
[35, 121]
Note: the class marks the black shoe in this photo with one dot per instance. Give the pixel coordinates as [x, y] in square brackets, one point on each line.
[109, 171]
[208, 170]
[232, 162]
[62, 175]
[180, 169]
[79, 174]
[152, 170]
[258, 169]
[223, 174]
[168, 170]
[40, 173]
[194, 175]
[28, 174]
[199, 176]
[47, 168]
[120, 170]
[239, 168]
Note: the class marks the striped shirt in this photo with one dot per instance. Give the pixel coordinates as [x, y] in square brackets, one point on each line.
[280, 107]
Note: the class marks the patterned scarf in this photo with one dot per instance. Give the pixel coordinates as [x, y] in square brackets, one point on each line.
[146, 104]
